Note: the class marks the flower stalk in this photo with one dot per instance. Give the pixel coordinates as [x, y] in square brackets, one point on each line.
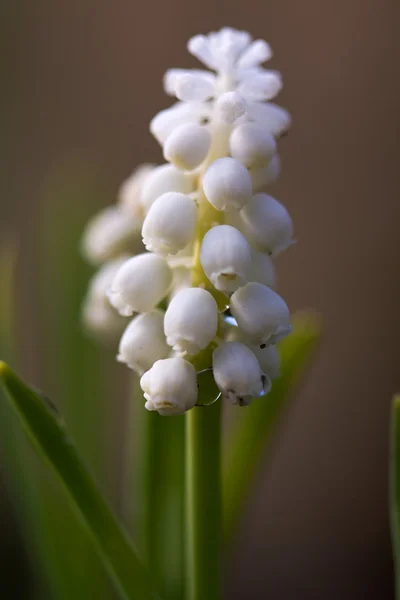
[203, 503]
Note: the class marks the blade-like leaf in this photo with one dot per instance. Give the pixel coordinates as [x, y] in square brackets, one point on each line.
[395, 490]
[72, 367]
[252, 431]
[46, 429]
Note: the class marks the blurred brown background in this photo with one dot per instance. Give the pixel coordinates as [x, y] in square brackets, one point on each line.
[81, 79]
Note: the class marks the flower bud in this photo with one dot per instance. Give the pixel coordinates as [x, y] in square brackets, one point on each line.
[166, 121]
[238, 374]
[143, 342]
[274, 118]
[229, 107]
[252, 145]
[268, 224]
[165, 178]
[187, 146]
[99, 318]
[263, 270]
[109, 234]
[227, 184]
[261, 86]
[140, 284]
[189, 85]
[267, 357]
[191, 320]
[258, 52]
[262, 177]
[170, 386]
[261, 313]
[130, 192]
[269, 360]
[225, 256]
[170, 223]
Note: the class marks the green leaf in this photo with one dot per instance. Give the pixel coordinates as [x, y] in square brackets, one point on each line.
[395, 489]
[76, 373]
[255, 424]
[46, 429]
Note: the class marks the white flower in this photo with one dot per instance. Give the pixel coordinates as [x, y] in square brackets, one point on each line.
[261, 313]
[274, 118]
[165, 178]
[252, 145]
[225, 256]
[191, 320]
[263, 270]
[267, 357]
[170, 386]
[238, 374]
[190, 86]
[109, 234]
[129, 194]
[143, 342]
[99, 318]
[227, 184]
[269, 360]
[268, 224]
[229, 107]
[262, 177]
[187, 146]
[170, 223]
[164, 123]
[140, 284]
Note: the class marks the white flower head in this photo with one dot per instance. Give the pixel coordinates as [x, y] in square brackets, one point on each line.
[191, 320]
[227, 184]
[140, 284]
[210, 229]
[109, 234]
[261, 313]
[170, 223]
[238, 374]
[225, 256]
[170, 386]
[143, 342]
[268, 224]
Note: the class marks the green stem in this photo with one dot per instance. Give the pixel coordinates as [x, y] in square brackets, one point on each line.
[395, 490]
[158, 494]
[148, 488]
[203, 502]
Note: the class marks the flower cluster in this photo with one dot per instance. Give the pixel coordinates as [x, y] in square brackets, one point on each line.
[203, 293]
